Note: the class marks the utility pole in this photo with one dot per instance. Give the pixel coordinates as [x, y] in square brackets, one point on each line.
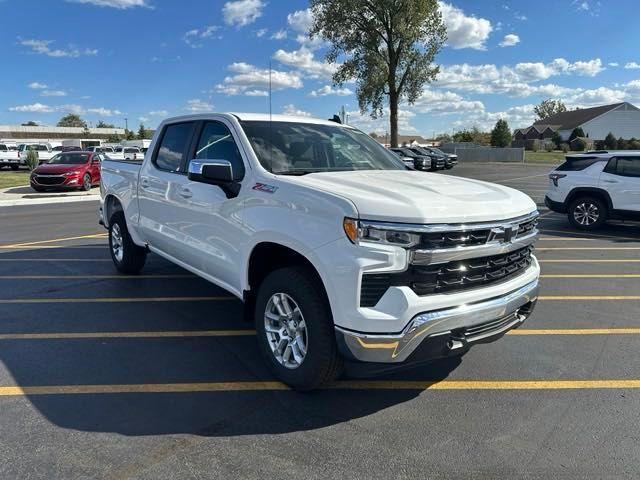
[126, 124]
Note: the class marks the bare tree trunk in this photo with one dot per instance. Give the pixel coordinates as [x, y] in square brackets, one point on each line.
[393, 118]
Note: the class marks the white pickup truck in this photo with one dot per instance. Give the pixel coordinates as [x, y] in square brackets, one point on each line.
[9, 156]
[338, 251]
[44, 150]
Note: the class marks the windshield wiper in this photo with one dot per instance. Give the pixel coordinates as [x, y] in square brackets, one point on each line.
[295, 172]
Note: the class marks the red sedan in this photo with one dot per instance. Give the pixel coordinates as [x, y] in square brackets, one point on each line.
[68, 170]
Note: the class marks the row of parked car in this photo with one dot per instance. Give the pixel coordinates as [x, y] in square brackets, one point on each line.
[426, 158]
[14, 156]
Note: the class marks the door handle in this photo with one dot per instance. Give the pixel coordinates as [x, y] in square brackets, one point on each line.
[144, 183]
[185, 193]
[611, 181]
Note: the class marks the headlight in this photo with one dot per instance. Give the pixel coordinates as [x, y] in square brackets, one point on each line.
[70, 174]
[375, 232]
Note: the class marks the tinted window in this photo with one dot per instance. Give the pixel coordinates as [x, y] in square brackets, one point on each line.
[216, 143]
[174, 143]
[628, 166]
[131, 150]
[577, 164]
[70, 158]
[3, 148]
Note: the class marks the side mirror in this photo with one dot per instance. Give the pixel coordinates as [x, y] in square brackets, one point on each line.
[215, 172]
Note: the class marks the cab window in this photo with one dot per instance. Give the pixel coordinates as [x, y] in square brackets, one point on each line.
[174, 143]
[216, 143]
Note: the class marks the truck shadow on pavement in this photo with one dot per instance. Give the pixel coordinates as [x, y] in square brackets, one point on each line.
[55, 360]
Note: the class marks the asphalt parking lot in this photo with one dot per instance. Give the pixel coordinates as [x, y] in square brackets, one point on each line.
[157, 376]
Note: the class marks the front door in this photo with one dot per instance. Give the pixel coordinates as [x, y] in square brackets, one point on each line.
[621, 178]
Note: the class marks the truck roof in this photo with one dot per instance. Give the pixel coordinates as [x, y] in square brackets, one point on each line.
[258, 117]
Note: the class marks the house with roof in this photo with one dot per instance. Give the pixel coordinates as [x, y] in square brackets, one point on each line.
[621, 119]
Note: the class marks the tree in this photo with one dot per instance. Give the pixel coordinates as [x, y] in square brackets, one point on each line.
[622, 144]
[443, 138]
[143, 133]
[113, 138]
[610, 142]
[549, 107]
[578, 145]
[501, 135]
[388, 48]
[72, 120]
[30, 123]
[102, 124]
[577, 132]
[556, 138]
[129, 134]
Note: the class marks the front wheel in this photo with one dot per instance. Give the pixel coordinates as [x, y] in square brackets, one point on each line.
[128, 257]
[86, 182]
[587, 213]
[295, 329]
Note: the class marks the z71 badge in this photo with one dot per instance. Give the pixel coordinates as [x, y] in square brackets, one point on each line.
[263, 187]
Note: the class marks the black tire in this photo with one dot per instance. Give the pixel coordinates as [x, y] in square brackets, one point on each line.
[322, 362]
[132, 257]
[38, 189]
[86, 182]
[14, 167]
[595, 208]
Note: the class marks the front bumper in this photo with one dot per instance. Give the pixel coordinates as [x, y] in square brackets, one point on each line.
[441, 333]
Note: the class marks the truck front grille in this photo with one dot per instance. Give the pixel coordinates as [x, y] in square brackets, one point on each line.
[447, 277]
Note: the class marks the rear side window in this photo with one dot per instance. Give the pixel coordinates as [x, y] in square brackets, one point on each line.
[577, 164]
[175, 140]
[3, 148]
[216, 143]
[624, 166]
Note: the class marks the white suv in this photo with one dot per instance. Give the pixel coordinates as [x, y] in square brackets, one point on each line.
[596, 186]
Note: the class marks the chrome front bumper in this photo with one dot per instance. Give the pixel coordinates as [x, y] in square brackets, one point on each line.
[443, 332]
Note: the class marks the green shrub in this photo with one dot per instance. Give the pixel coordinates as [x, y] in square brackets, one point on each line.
[535, 145]
[578, 145]
[32, 160]
[610, 142]
[577, 132]
[556, 139]
[622, 144]
[634, 144]
[548, 147]
[564, 147]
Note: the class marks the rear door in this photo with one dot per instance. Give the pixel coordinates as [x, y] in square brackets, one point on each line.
[161, 190]
[621, 178]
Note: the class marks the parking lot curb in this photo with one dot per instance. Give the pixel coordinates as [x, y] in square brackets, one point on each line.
[49, 200]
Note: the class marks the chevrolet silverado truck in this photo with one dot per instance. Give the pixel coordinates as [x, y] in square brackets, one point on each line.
[338, 250]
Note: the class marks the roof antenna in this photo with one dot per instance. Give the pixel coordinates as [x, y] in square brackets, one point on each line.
[270, 124]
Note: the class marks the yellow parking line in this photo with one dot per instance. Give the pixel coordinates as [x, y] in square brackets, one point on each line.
[589, 297]
[587, 248]
[94, 235]
[92, 277]
[89, 335]
[590, 260]
[17, 390]
[631, 275]
[113, 300]
[592, 236]
[576, 331]
[52, 247]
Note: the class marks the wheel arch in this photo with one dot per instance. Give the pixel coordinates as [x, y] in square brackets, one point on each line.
[111, 205]
[590, 192]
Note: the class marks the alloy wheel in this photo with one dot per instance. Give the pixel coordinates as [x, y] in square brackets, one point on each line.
[586, 213]
[117, 245]
[286, 330]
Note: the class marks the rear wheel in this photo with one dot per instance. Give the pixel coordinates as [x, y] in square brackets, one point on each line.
[295, 329]
[14, 167]
[86, 182]
[587, 213]
[128, 257]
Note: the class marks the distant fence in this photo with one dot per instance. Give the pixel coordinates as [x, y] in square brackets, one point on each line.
[469, 152]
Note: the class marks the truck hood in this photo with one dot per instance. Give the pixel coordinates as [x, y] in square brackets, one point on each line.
[420, 197]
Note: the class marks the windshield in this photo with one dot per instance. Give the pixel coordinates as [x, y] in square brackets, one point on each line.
[70, 158]
[131, 150]
[290, 148]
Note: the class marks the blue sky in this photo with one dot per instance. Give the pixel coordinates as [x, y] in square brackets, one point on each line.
[147, 59]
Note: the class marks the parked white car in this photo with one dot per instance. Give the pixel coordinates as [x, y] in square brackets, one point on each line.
[338, 250]
[44, 150]
[596, 186]
[9, 156]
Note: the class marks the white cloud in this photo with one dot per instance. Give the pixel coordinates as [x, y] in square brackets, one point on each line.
[53, 93]
[242, 12]
[256, 93]
[303, 59]
[261, 32]
[300, 20]
[464, 31]
[632, 66]
[516, 116]
[279, 35]
[597, 96]
[329, 90]
[33, 108]
[37, 86]
[144, 119]
[293, 111]
[439, 102]
[194, 37]
[104, 112]
[249, 79]
[42, 47]
[380, 125]
[613, 64]
[158, 113]
[196, 105]
[120, 4]
[510, 40]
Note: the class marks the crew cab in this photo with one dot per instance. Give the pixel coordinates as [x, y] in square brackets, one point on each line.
[594, 187]
[9, 156]
[438, 161]
[68, 170]
[411, 158]
[338, 251]
[44, 151]
[450, 159]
